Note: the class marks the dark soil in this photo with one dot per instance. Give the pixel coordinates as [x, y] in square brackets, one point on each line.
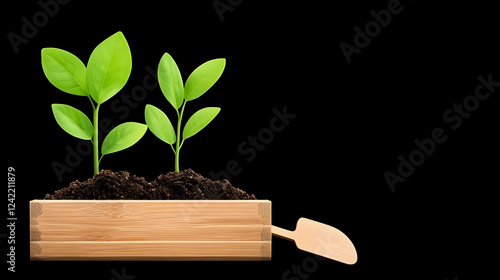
[185, 184]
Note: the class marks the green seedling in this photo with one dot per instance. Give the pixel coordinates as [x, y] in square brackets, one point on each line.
[177, 94]
[106, 73]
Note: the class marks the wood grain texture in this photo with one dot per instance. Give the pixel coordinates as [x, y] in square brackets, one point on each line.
[150, 230]
[151, 250]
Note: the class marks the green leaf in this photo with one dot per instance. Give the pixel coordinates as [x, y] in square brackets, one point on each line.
[109, 68]
[203, 78]
[122, 137]
[73, 121]
[199, 120]
[64, 70]
[170, 80]
[159, 124]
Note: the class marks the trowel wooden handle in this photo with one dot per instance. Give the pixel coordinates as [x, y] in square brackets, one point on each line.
[283, 233]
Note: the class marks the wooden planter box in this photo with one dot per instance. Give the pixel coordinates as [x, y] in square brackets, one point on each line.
[150, 230]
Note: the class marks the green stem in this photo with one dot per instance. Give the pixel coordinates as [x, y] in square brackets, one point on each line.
[91, 102]
[95, 140]
[177, 142]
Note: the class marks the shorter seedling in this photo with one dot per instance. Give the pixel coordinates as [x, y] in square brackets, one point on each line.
[177, 94]
[107, 72]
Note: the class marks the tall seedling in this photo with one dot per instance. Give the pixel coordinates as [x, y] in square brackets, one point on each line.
[177, 94]
[107, 72]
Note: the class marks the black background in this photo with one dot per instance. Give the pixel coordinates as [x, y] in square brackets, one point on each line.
[352, 122]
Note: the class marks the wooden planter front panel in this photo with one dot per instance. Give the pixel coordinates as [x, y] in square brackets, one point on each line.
[150, 230]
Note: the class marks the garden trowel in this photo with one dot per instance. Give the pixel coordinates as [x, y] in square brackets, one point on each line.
[320, 239]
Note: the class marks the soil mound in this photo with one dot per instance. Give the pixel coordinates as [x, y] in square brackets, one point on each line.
[185, 184]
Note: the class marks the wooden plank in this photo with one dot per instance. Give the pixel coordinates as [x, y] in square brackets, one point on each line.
[153, 212]
[137, 232]
[224, 229]
[152, 250]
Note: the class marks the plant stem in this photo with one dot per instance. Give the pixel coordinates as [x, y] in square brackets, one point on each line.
[177, 142]
[91, 102]
[95, 140]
